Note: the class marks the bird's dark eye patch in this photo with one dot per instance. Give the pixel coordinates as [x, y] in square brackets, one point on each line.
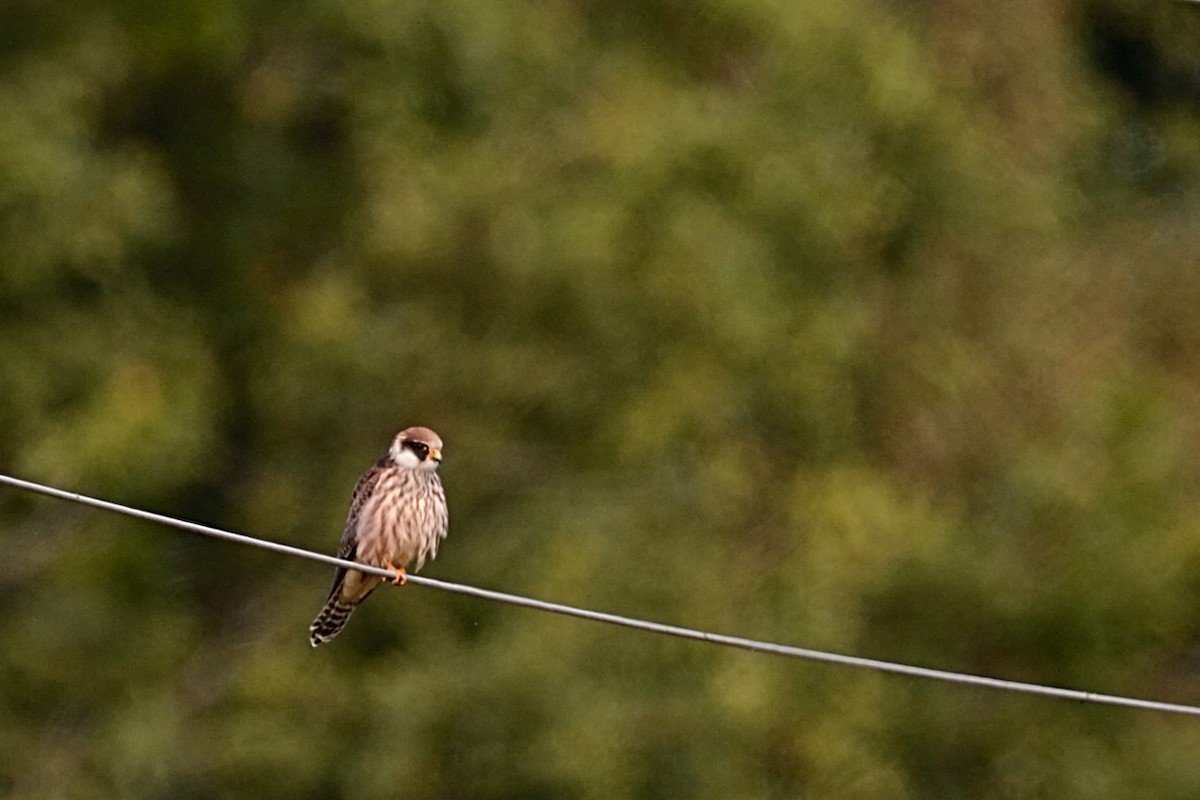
[421, 449]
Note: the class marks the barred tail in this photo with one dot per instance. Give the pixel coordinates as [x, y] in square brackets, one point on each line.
[329, 622]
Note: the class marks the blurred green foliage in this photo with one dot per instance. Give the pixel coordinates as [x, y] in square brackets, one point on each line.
[869, 326]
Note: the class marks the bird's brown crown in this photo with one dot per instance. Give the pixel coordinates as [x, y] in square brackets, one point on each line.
[423, 435]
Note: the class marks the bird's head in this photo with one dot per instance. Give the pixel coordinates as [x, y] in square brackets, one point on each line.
[417, 448]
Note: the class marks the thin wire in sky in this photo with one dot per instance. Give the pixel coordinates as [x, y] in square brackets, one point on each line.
[752, 645]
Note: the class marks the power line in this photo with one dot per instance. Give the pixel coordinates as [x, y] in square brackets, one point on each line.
[628, 622]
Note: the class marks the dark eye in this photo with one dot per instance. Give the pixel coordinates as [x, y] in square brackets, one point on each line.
[420, 449]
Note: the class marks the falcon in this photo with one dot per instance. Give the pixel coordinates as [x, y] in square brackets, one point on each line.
[397, 518]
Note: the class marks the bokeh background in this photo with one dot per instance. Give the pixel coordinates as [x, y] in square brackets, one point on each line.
[862, 325]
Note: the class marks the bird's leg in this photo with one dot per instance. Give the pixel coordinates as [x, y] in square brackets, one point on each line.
[399, 575]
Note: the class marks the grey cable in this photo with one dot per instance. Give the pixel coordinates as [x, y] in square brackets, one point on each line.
[614, 619]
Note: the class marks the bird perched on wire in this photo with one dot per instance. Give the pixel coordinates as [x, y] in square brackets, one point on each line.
[397, 517]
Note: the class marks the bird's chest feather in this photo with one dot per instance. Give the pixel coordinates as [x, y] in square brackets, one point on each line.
[391, 526]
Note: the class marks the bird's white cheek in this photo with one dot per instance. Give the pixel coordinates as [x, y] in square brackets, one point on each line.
[406, 459]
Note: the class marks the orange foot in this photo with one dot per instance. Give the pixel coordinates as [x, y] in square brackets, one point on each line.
[399, 576]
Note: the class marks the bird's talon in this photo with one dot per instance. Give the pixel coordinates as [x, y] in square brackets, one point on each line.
[399, 575]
